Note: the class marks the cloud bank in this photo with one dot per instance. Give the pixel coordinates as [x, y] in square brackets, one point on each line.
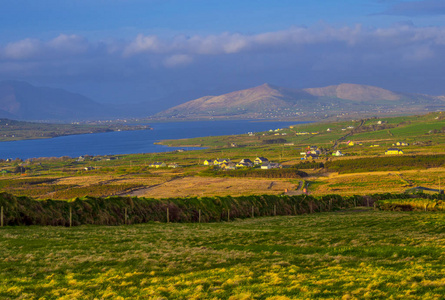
[305, 56]
[297, 38]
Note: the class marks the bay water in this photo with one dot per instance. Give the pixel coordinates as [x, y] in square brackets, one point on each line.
[126, 142]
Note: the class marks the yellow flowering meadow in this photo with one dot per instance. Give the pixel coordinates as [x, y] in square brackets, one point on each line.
[341, 255]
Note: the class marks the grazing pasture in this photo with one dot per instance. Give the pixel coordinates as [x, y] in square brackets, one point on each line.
[350, 254]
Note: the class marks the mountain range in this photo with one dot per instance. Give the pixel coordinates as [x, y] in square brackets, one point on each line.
[268, 101]
[23, 101]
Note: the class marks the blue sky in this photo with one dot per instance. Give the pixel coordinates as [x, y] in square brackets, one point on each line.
[170, 51]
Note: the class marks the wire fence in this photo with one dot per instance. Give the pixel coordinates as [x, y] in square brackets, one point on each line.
[132, 210]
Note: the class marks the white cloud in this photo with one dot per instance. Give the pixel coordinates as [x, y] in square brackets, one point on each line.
[143, 44]
[296, 37]
[297, 54]
[399, 38]
[62, 45]
[22, 49]
[69, 44]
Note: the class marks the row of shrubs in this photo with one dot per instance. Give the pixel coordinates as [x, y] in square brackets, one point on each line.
[133, 210]
[421, 202]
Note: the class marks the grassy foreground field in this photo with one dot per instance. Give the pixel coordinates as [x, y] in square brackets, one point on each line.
[343, 255]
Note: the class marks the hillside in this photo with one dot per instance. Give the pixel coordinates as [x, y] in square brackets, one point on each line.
[354, 92]
[267, 101]
[23, 101]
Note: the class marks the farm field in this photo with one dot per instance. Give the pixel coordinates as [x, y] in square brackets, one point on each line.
[352, 254]
[376, 182]
[422, 164]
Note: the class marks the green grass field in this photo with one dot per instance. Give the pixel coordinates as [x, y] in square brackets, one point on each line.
[357, 254]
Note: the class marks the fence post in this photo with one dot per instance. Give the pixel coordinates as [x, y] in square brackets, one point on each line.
[228, 215]
[274, 209]
[253, 212]
[125, 216]
[330, 204]
[168, 215]
[71, 217]
[199, 219]
[310, 206]
[295, 209]
[1, 217]
[355, 202]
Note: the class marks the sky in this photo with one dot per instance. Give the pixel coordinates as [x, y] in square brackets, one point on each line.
[170, 51]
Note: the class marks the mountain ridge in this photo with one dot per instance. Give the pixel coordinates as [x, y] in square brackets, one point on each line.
[24, 101]
[269, 100]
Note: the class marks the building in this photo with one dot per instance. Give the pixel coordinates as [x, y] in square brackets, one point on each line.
[245, 162]
[219, 161]
[401, 144]
[270, 165]
[158, 165]
[393, 151]
[310, 156]
[208, 162]
[228, 166]
[260, 160]
[337, 153]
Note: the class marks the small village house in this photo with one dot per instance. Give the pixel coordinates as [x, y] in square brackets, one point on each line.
[338, 153]
[219, 161]
[228, 166]
[245, 162]
[400, 144]
[310, 156]
[158, 165]
[393, 151]
[260, 160]
[208, 162]
[270, 165]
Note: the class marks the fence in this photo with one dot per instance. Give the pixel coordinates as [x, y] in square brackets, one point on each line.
[133, 210]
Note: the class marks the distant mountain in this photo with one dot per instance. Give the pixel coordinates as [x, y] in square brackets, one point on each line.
[267, 101]
[23, 101]
[354, 92]
[254, 100]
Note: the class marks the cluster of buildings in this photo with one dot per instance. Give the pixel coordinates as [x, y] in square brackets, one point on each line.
[393, 151]
[227, 164]
[161, 164]
[312, 152]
